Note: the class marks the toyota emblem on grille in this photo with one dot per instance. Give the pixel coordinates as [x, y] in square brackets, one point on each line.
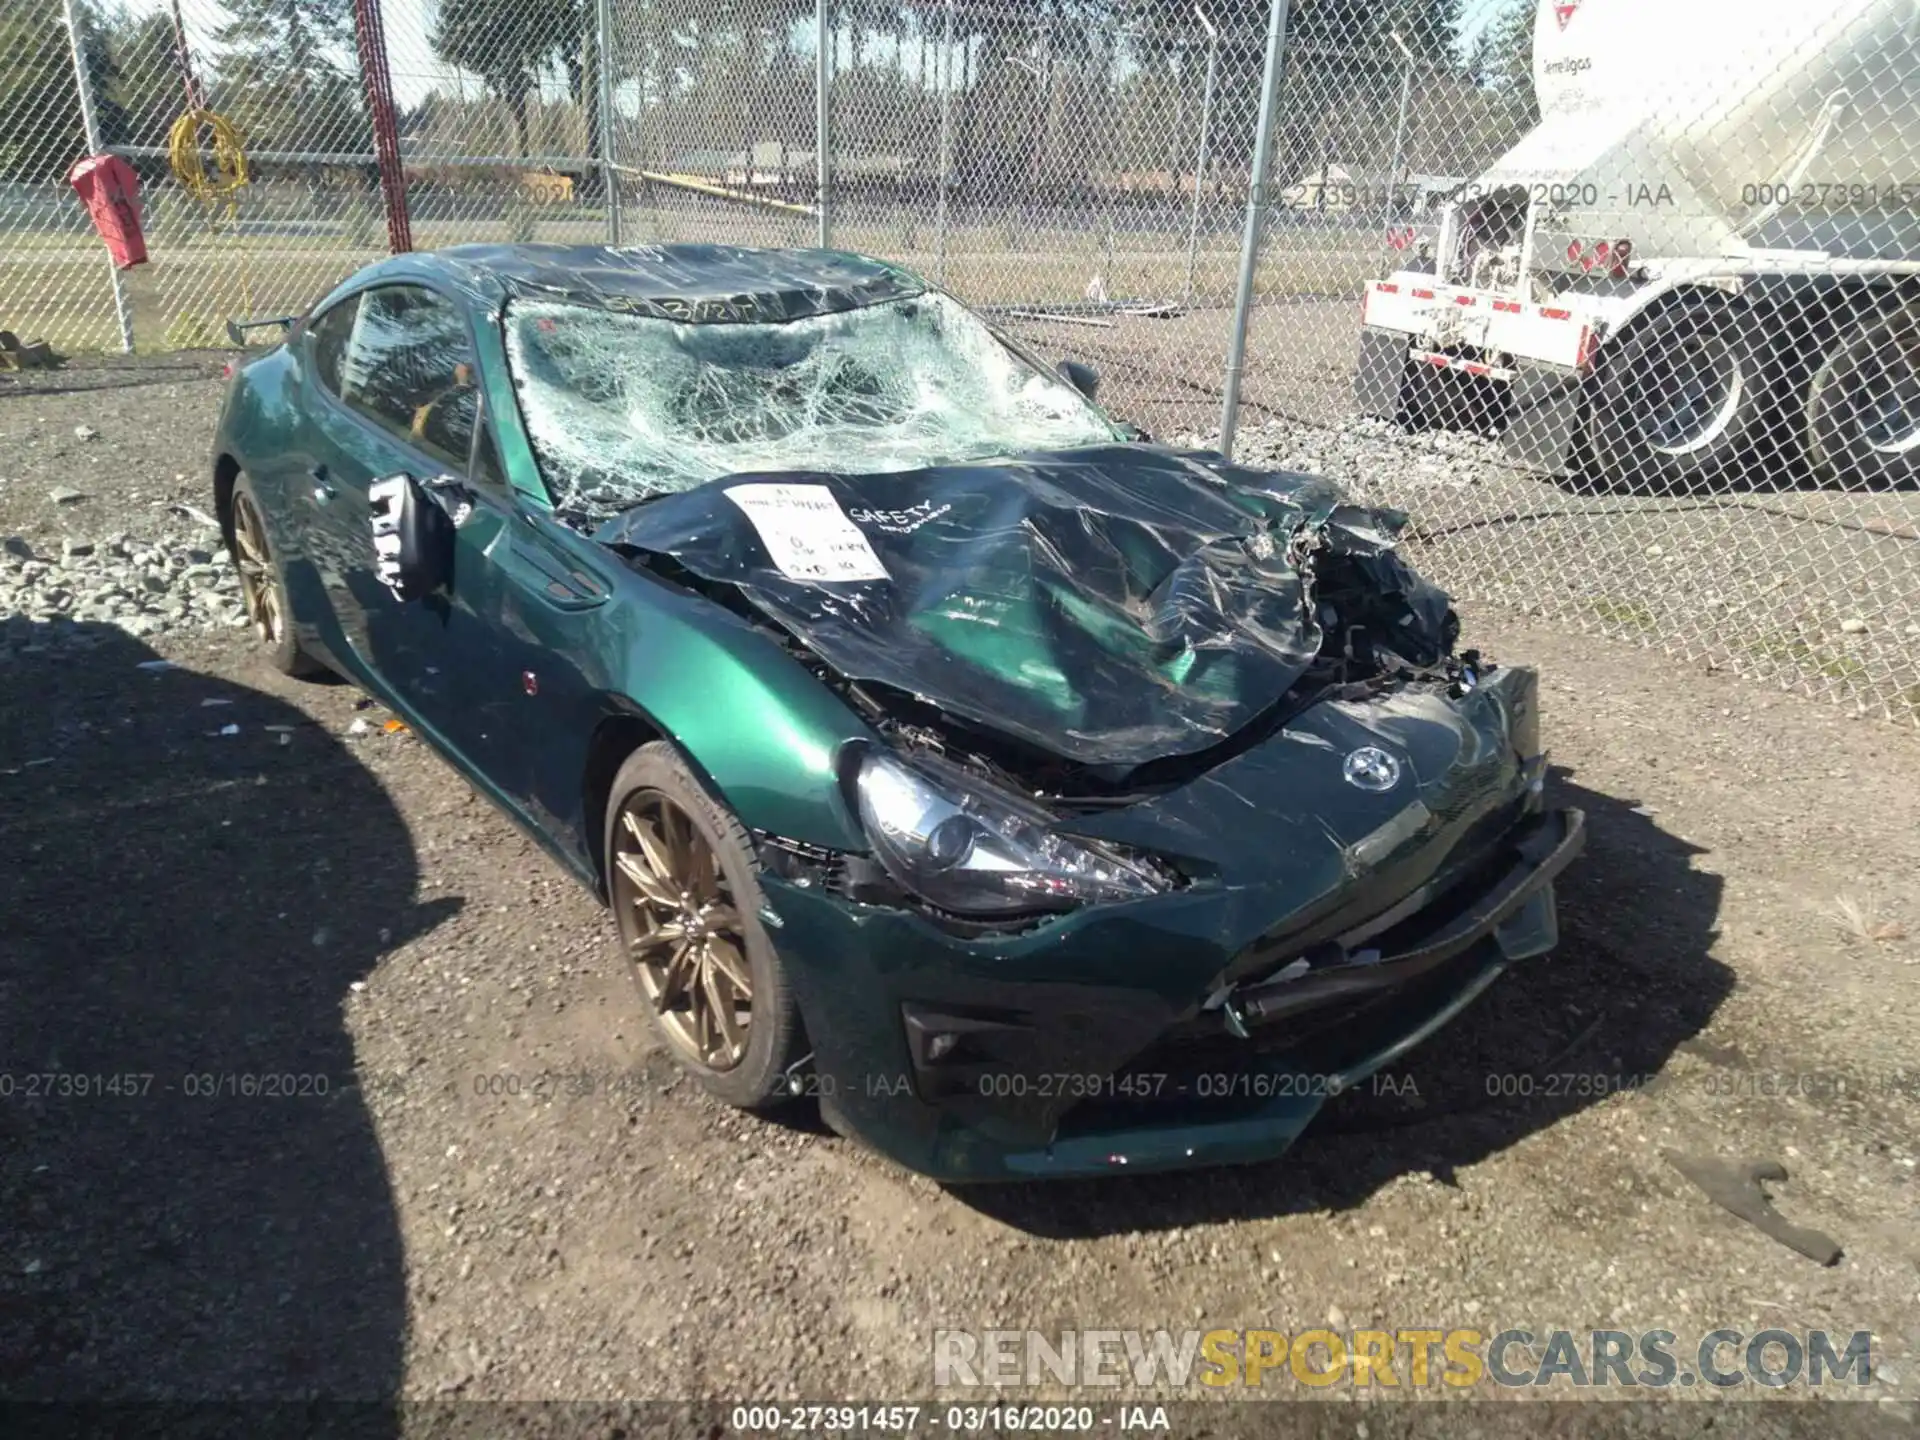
[1371, 768]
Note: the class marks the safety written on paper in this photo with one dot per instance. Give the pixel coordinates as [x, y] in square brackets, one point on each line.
[807, 535]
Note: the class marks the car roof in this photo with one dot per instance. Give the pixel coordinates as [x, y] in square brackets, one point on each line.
[699, 284]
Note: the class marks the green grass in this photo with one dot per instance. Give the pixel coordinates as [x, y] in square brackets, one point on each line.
[176, 303]
[1787, 649]
[1633, 617]
[53, 287]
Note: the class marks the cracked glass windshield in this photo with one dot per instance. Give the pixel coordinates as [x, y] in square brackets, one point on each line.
[623, 407]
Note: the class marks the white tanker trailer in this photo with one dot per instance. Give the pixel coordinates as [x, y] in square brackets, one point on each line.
[1707, 251]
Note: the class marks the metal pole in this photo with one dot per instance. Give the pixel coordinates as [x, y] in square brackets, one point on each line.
[1206, 134]
[376, 80]
[946, 144]
[90, 123]
[1400, 125]
[609, 176]
[822, 119]
[196, 97]
[1256, 222]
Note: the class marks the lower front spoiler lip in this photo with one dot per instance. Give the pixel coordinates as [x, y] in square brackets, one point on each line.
[1249, 1136]
[1513, 920]
[1109, 994]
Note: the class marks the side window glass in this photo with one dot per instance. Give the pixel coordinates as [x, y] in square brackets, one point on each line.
[329, 333]
[410, 369]
[487, 469]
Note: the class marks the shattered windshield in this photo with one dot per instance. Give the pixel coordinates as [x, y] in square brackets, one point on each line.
[623, 407]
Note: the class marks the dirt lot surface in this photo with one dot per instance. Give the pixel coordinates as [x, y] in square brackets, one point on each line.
[473, 1172]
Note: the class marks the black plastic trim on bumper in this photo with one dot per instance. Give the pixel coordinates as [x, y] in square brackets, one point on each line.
[1546, 847]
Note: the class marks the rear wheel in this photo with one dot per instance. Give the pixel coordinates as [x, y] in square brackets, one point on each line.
[1863, 407]
[263, 589]
[1673, 405]
[681, 880]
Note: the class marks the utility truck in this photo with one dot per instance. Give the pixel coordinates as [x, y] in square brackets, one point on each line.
[1706, 253]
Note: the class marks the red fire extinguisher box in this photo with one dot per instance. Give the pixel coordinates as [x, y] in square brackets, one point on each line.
[112, 194]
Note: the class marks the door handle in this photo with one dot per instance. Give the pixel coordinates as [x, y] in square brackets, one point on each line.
[544, 576]
[323, 491]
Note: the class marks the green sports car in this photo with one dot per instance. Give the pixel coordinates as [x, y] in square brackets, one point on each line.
[1041, 800]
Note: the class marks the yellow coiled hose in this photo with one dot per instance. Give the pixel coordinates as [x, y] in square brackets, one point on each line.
[229, 175]
[220, 190]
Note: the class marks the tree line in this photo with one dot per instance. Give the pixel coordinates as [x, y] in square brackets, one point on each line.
[1042, 93]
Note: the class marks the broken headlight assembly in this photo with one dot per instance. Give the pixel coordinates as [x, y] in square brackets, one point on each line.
[966, 847]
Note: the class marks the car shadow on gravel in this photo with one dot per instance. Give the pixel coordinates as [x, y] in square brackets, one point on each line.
[1631, 981]
[193, 1199]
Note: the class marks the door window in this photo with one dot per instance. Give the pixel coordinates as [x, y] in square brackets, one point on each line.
[409, 368]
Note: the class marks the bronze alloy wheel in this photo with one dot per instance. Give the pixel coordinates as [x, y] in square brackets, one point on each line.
[678, 921]
[257, 584]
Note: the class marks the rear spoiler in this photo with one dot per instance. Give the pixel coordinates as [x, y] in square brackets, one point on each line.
[237, 329]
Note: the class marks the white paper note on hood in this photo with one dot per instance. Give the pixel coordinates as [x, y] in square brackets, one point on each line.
[807, 535]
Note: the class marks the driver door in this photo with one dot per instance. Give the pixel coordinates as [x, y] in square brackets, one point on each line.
[473, 666]
[398, 397]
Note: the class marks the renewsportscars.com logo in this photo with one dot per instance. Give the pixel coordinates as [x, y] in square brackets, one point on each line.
[1400, 1359]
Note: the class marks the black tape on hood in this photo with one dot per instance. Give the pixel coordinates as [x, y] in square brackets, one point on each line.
[1112, 605]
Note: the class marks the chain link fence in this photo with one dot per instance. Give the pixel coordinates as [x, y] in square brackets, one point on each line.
[1617, 298]
[1641, 356]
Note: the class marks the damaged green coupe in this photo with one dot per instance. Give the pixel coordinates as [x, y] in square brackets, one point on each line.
[1043, 801]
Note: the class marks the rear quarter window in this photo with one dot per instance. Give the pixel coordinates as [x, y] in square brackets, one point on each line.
[328, 334]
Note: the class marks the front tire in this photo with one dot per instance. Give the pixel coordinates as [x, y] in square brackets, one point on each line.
[686, 899]
[263, 586]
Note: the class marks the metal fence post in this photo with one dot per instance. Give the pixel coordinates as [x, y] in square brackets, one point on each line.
[1256, 222]
[1400, 125]
[376, 79]
[822, 119]
[609, 171]
[1206, 134]
[90, 123]
[946, 144]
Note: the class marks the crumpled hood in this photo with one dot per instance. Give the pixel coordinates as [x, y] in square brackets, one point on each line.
[1112, 605]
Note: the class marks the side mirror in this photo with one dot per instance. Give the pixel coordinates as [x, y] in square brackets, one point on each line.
[1083, 378]
[412, 537]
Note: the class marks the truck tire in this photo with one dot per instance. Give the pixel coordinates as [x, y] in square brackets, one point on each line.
[1673, 404]
[1863, 407]
[1426, 400]
[1777, 446]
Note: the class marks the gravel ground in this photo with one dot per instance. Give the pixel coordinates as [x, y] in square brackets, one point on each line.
[482, 1179]
[104, 504]
[140, 587]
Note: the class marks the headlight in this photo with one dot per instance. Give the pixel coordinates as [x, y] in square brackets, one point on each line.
[972, 850]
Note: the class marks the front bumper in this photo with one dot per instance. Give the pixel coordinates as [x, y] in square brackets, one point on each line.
[1107, 1040]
